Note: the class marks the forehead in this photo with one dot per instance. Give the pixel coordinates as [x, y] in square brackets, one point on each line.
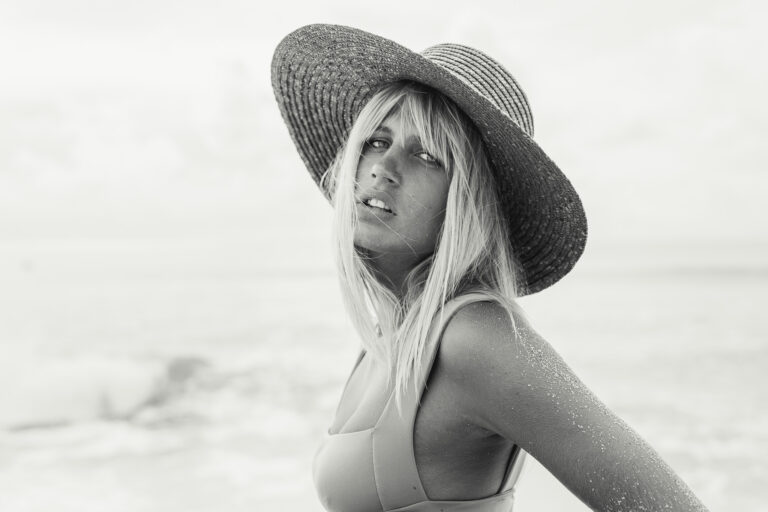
[402, 128]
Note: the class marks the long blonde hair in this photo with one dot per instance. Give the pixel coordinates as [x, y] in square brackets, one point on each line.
[472, 251]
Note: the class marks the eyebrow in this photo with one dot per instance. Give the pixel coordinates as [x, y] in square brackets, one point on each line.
[387, 130]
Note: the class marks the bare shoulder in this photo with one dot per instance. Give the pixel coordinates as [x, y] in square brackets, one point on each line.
[485, 335]
[507, 379]
[486, 318]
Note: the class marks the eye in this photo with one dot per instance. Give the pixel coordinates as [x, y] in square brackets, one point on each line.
[376, 144]
[427, 158]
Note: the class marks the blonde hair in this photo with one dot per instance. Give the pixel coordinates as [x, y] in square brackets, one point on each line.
[472, 252]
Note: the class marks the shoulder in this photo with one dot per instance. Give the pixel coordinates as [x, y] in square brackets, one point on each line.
[480, 333]
[508, 380]
[502, 372]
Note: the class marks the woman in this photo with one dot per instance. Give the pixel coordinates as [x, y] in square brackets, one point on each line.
[445, 211]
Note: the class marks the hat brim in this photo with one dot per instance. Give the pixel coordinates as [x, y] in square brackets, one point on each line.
[323, 75]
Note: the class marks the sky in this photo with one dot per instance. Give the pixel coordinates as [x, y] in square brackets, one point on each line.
[152, 202]
[146, 118]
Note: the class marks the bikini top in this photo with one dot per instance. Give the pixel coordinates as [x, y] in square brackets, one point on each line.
[374, 470]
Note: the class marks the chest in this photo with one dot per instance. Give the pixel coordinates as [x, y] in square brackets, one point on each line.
[455, 458]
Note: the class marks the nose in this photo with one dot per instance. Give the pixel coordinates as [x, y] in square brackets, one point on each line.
[386, 169]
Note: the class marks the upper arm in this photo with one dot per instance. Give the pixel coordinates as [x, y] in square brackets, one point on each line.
[512, 382]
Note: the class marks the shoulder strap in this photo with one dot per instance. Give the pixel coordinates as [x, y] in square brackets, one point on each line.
[514, 468]
[349, 378]
[397, 479]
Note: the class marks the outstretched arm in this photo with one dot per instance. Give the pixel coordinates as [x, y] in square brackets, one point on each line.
[515, 384]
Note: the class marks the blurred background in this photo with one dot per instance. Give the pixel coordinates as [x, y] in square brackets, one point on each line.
[171, 332]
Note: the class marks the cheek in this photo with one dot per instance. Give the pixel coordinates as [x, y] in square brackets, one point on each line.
[364, 165]
[428, 215]
[433, 203]
[360, 168]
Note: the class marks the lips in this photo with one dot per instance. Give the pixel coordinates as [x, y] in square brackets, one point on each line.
[372, 212]
[377, 201]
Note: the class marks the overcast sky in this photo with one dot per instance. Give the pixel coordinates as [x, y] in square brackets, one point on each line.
[654, 109]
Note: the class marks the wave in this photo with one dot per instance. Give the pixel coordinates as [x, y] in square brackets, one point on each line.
[58, 392]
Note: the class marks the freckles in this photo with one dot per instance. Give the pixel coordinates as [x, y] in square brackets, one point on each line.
[425, 206]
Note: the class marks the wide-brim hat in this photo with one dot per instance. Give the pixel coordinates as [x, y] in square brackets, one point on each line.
[323, 75]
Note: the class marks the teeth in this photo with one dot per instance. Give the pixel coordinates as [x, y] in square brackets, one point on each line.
[378, 203]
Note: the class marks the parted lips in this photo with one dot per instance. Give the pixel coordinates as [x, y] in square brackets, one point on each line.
[323, 75]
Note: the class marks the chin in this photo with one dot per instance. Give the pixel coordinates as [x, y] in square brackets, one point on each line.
[372, 246]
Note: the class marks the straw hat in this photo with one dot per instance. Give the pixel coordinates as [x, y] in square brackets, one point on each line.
[323, 75]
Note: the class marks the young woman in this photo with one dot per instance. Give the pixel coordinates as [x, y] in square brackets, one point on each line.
[446, 210]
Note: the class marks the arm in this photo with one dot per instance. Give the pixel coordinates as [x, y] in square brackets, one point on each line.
[517, 386]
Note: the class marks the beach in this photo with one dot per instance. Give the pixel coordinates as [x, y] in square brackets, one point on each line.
[171, 331]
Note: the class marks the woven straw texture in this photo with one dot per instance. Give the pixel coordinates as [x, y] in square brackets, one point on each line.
[323, 75]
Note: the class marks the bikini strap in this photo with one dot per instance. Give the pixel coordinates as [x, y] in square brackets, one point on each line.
[515, 466]
[397, 478]
[346, 384]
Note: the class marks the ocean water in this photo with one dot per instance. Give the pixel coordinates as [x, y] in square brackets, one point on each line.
[171, 335]
[166, 376]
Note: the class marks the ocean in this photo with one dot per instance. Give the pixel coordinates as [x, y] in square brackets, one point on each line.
[171, 332]
[187, 375]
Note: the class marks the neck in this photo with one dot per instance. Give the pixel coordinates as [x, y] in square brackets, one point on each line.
[392, 270]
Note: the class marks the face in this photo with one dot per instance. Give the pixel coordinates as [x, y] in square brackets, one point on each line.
[401, 193]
